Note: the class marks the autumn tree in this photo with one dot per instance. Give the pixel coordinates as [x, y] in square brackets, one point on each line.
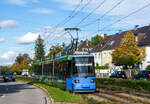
[16, 67]
[22, 61]
[128, 54]
[55, 49]
[39, 48]
[95, 40]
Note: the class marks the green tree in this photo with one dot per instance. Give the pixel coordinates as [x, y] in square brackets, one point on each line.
[4, 69]
[63, 45]
[19, 58]
[128, 54]
[22, 57]
[95, 40]
[39, 48]
[148, 67]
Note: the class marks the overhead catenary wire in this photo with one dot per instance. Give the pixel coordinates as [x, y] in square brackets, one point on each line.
[91, 13]
[76, 13]
[134, 12]
[71, 16]
[119, 20]
[62, 22]
[98, 19]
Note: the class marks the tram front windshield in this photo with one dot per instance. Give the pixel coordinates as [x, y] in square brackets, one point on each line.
[83, 67]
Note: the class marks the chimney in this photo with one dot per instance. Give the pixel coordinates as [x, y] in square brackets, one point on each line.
[136, 27]
[105, 35]
[120, 31]
[87, 44]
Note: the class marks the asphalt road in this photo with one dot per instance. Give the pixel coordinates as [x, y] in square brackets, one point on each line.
[20, 93]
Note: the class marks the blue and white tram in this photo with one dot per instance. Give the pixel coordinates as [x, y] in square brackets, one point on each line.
[75, 73]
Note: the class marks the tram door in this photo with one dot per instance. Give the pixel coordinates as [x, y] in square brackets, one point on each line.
[68, 76]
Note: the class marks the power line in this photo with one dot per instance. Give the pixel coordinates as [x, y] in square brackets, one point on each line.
[91, 12]
[104, 14]
[71, 14]
[78, 11]
[134, 12]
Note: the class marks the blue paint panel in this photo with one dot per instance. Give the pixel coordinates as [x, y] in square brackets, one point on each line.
[84, 84]
[90, 55]
[68, 84]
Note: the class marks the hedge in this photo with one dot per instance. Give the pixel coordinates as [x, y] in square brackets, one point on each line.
[143, 85]
[101, 67]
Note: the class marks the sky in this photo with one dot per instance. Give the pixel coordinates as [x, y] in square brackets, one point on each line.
[21, 21]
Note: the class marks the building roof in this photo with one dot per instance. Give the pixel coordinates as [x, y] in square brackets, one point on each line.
[80, 45]
[113, 41]
[84, 44]
[101, 45]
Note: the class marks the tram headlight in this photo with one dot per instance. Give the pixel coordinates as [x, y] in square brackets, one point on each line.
[76, 81]
[93, 80]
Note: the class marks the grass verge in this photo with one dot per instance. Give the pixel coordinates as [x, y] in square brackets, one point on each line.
[61, 96]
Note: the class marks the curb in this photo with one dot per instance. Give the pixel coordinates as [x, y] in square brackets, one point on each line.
[44, 90]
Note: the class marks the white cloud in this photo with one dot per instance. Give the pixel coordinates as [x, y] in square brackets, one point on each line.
[50, 35]
[28, 38]
[8, 24]
[2, 40]
[17, 2]
[35, 1]
[41, 11]
[123, 9]
[22, 2]
[8, 55]
[7, 58]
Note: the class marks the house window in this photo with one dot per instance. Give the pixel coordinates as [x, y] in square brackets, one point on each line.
[104, 54]
[111, 43]
[84, 49]
[136, 38]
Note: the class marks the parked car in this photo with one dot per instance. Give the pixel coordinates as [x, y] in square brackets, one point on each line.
[143, 74]
[8, 76]
[118, 74]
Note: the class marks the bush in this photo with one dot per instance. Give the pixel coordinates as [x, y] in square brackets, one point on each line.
[148, 67]
[101, 67]
[133, 84]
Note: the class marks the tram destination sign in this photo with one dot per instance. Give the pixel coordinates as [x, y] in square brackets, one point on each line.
[89, 64]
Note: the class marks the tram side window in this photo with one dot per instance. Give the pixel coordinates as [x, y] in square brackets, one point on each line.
[68, 69]
[45, 69]
[39, 68]
[35, 69]
[51, 69]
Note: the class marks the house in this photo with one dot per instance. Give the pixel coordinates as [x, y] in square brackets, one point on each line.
[102, 52]
[143, 38]
[83, 47]
[97, 51]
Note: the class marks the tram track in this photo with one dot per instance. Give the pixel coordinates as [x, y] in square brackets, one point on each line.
[118, 96]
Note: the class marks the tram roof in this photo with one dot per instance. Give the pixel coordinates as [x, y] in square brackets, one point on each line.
[62, 58]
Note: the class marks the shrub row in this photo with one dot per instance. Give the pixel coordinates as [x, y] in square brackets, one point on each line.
[143, 85]
[101, 67]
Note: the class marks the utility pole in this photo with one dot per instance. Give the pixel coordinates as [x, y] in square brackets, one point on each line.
[53, 69]
[42, 67]
[74, 40]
